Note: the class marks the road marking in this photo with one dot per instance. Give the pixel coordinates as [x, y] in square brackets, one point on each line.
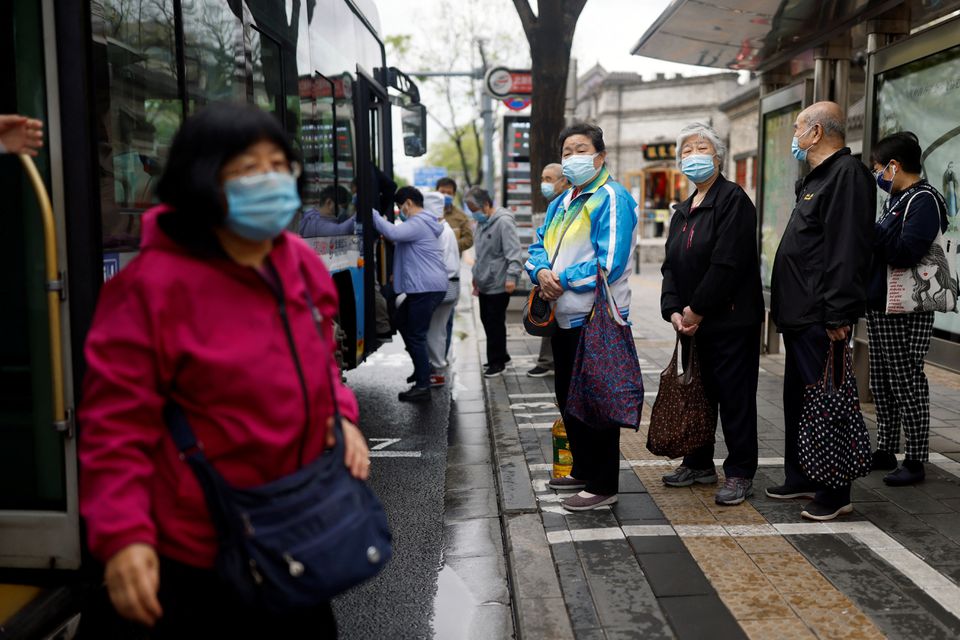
[534, 405]
[536, 425]
[531, 395]
[384, 443]
[530, 416]
[396, 454]
[377, 451]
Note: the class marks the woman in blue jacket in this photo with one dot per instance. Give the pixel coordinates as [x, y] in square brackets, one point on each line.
[594, 221]
[911, 218]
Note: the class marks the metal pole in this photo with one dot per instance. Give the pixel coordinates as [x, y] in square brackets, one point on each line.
[486, 111]
[821, 79]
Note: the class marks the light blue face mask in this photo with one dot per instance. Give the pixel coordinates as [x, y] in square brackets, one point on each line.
[547, 189]
[798, 153]
[698, 167]
[259, 207]
[579, 169]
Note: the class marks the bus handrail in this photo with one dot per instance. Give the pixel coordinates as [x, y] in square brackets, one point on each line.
[56, 292]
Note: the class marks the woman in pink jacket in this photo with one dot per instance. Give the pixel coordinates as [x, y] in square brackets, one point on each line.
[213, 315]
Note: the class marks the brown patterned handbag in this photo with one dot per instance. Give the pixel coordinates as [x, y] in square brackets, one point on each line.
[683, 419]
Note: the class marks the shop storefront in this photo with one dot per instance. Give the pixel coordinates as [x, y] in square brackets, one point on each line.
[893, 63]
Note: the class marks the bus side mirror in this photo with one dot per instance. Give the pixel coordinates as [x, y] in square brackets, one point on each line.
[414, 120]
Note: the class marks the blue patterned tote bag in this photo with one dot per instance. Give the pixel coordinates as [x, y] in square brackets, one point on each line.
[834, 442]
[606, 389]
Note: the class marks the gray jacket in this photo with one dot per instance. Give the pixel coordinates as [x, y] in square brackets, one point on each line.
[499, 256]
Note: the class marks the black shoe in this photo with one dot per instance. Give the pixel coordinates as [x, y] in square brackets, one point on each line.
[783, 492]
[505, 362]
[883, 461]
[821, 512]
[493, 371]
[415, 394]
[539, 372]
[904, 477]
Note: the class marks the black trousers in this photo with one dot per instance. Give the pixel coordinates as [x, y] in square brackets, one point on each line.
[413, 322]
[596, 452]
[196, 604]
[493, 315]
[729, 366]
[806, 360]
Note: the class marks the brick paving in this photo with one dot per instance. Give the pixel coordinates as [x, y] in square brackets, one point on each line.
[669, 563]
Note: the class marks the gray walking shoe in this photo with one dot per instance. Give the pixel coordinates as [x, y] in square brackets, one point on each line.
[734, 491]
[566, 482]
[685, 476]
[583, 503]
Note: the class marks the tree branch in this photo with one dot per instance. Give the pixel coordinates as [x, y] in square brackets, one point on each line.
[527, 17]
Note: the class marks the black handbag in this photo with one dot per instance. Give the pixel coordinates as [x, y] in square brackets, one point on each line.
[834, 443]
[683, 418]
[300, 540]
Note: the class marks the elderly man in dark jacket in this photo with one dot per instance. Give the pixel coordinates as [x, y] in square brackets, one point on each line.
[819, 281]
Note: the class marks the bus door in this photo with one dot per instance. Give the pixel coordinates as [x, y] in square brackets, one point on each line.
[39, 523]
[374, 161]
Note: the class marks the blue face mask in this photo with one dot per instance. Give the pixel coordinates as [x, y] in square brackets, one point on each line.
[547, 189]
[259, 207]
[698, 167]
[447, 201]
[798, 153]
[479, 217]
[884, 184]
[579, 169]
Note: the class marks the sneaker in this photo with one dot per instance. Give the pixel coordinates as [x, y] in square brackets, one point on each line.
[437, 380]
[821, 512]
[539, 372]
[883, 461]
[734, 491]
[783, 492]
[566, 482]
[415, 394]
[493, 371]
[685, 476]
[580, 502]
[505, 362]
[904, 477]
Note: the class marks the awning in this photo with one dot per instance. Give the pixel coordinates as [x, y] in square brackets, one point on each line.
[750, 34]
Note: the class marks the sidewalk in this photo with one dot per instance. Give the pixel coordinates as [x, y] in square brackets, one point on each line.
[669, 563]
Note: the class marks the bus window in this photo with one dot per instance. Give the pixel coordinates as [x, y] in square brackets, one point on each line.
[212, 37]
[138, 110]
[265, 59]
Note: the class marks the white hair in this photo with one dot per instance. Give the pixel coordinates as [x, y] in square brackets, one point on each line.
[706, 132]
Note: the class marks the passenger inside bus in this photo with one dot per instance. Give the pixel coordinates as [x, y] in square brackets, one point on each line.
[324, 220]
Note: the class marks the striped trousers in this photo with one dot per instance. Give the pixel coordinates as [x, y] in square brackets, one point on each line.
[898, 345]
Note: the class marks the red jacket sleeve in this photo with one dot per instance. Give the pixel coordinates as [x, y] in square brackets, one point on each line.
[327, 302]
[121, 423]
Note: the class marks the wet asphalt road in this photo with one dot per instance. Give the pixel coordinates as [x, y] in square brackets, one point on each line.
[399, 602]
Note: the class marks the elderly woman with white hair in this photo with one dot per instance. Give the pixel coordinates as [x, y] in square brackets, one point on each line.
[711, 289]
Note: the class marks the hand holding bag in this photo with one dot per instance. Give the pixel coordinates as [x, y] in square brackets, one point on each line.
[297, 541]
[834, 443]
[606, 388]
[683, 418]
[537, 314]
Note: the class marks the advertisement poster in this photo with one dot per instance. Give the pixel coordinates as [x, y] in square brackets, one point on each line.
[923, 97]
[780, 173]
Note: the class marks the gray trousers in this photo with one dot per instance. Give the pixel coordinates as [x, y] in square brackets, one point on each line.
[546, 354]
[437, 335]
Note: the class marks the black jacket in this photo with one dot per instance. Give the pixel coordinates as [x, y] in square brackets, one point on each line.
[902, 242]
[711, 261]
[823, 261]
